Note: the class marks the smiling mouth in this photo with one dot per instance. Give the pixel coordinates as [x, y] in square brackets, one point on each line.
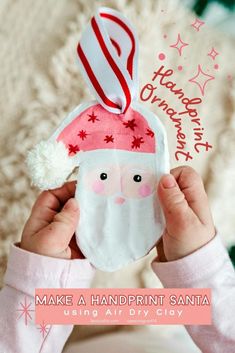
[119, 200]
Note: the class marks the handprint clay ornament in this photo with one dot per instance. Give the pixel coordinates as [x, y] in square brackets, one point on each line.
[119, 146]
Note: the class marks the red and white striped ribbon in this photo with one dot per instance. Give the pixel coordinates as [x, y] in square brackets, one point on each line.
[108, 54]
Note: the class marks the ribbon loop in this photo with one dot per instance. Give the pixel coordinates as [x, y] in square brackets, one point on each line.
[107, 55]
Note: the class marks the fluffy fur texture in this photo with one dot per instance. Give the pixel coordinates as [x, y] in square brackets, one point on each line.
[49, 164]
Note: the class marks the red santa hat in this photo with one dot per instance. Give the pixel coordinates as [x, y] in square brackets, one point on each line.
[89, 127]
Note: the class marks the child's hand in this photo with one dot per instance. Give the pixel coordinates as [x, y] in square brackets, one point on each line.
[189, 223]
[50, 228]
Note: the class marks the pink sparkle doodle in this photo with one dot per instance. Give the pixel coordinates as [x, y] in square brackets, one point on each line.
[179, 45]
[201, 79]
[197, 24]
[43, 329]
[213, 53]
[25, 311]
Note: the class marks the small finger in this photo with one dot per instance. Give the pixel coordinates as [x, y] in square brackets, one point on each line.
[171, 197]
[57, 235]
[175, 207]
[49, 202]
[66, 192]
[191, 185]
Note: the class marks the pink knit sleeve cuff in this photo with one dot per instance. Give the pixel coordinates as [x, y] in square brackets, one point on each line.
[27, 271]
[194, 268]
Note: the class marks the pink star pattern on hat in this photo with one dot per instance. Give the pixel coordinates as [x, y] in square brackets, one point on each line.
[96, 128]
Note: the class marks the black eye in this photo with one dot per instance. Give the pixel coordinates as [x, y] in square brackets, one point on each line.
[103, 176]
[137, 178]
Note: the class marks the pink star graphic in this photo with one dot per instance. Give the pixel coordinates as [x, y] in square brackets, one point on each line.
[43, 329]
[200, 79]
[25, 311]
[197, 24]
[82, 134]
[109, 138]
[213, 53]
[149, 133]
[93, 118]
[137, 141]
[179, 45]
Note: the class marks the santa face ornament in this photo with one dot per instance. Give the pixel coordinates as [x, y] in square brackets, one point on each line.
[120, 156]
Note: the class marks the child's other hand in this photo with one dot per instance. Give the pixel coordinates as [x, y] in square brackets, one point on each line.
[189, 223]
[50, 228]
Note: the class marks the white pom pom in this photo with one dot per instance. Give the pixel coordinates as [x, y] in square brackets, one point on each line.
[49, 164]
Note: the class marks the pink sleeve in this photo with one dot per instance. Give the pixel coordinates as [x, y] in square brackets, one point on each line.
[208, 267]
[25, 272]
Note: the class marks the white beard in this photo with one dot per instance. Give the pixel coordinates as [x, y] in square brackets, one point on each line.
[112, 235]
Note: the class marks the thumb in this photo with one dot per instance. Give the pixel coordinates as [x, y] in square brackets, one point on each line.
[173, 202]
[65, 222]
[57, 235]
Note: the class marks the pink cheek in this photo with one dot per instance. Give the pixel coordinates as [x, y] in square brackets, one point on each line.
[145, 190]
[98, 187]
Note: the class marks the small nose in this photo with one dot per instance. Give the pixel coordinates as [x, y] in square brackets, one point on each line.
[119, 200]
